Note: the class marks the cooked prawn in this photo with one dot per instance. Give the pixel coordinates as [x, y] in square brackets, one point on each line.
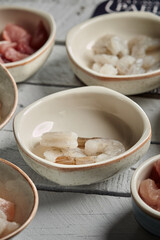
[59, 139]
[109, 147]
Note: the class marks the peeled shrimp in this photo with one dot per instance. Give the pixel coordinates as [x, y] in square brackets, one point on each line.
[110, 44]
[95, 150]
[117, 46]
[52, 154]
[124, 63]
[82, 141]
[108, 147]
[148, 62]
[105, 58]
[143, 44]
[96, 67]
[100, 46]
[76, 152]
[108, 69]
[136, 68]
[68, 148]
[75, 160]
[113, 55]
[59, 139]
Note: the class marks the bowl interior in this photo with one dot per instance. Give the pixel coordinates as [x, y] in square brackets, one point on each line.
[16, 188]
[89, 111]
[8, 96]
[26, 18]
[126, 25]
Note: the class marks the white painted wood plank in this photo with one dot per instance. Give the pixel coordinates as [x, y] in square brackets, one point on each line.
[64, 216]
[56, 71]
[68, 215]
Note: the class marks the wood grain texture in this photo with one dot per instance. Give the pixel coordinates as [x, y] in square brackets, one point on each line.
[97, 212]
[68, 216]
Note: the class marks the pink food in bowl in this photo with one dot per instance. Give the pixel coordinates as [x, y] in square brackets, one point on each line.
[17, 43]
[149, 189]
[7, 215]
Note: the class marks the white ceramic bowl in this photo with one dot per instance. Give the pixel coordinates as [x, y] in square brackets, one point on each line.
[8, 96]
[82, 37]
[28, 18]
[17, 187]
[147, 217]
[90, 112]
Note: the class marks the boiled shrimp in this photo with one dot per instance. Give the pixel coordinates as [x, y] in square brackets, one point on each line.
[109, 147]
[68, 148]
[59, 139]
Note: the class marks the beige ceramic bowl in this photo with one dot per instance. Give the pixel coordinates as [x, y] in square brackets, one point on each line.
[17, 187]
[8, 96]
[90, 112]
[147, 217]
[28, 18]
[82, 37]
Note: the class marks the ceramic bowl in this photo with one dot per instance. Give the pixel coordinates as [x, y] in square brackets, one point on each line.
[147, 217]
[89, 112]
[17, 187]
[8, 96]
[29, 19]
[125, 25]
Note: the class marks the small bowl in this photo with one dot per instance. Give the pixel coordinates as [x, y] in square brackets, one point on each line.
[18, 188]
[29, 19]
[90, 112]
[125, 25]
[147, 217]
[8, 96]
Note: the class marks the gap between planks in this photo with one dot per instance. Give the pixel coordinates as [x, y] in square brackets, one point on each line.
[49, 85]
[62, 189]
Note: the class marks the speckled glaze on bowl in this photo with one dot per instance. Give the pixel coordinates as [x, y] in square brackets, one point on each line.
[17, 187]
[147, 217]
[8, 96]
[28, 18]
[90, 112]
[125, 25]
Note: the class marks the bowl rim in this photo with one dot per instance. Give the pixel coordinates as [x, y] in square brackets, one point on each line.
[87, 23]
[134, 193]
[35, 194]
[146, 136]
[46, 45]
[15, 96]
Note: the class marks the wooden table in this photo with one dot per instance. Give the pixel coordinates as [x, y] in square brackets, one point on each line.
[101, 211]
